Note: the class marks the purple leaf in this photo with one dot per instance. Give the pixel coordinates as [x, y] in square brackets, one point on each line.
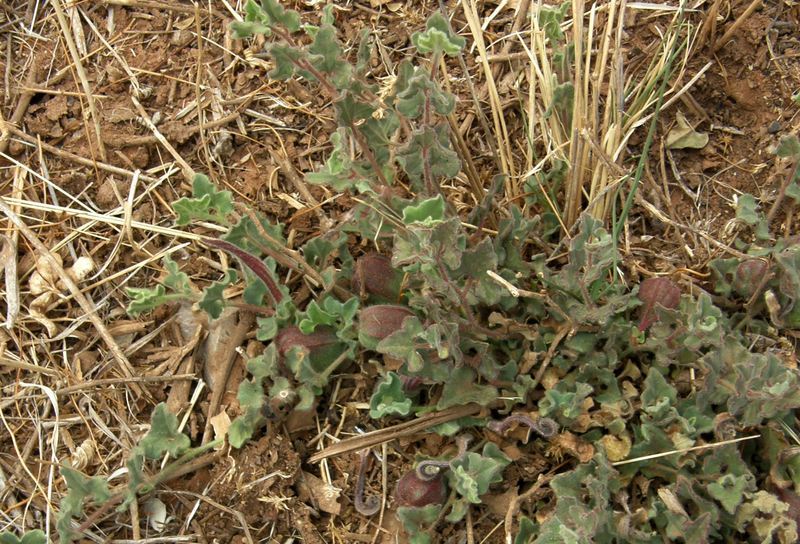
[252, 262]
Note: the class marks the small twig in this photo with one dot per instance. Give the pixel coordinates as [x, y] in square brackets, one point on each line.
[407, 428]
[754, 5]
[773, 211]
[513, 508]
[76, 59]
[8, 263]
[187, 170]
[164, 6]
[174, 470]
[289, 171]
[684, 450]
[76, 158]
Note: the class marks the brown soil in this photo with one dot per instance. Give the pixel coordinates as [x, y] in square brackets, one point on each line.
[151, 53]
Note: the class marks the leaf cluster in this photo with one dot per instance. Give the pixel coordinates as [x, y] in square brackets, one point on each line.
[630, 372]
[164, 437]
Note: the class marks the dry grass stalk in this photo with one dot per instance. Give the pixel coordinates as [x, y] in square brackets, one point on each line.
[608, 104]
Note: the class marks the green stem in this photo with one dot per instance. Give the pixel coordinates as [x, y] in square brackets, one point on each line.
[620, 222]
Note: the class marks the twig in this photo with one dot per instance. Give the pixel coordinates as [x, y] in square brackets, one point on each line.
[397, 431]
[513, 508]
[684, 450]
[76, 158]
[187, 170]
[76, 58]
[754, 5]
[167, 6]
[782, 192]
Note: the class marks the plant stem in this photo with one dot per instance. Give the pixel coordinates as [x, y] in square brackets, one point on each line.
[303, 64]
[782, 192]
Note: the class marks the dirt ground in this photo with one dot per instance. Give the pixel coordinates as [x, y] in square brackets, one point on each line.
[94, 152]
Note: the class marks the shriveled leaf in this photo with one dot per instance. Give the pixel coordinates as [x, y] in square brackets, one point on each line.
[683, 136]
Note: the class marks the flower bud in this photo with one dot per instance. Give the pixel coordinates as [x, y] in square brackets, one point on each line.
[377, 322]
[375, 276]
[661, 291]
[416, 492]
[749, 275]
[322, 345]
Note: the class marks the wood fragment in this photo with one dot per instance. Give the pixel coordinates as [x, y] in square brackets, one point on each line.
[400, 430]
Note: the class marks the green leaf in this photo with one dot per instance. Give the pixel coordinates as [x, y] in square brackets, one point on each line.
[286, 60]
[340, 172]
[164, 435]
[429, 146]
[472, 474]
[426, 212]
[36, 536]
[315, 315]
[729, 491]
[550, 19]
[277, 14]
[658, 397]
[364, 50]
[583, 507]
[325, 55]
[462, 388]
[147, 299]
[267, 328]
[422, 90]
[747, 210]
[255, 21]
[84, 487]
[80, 488]
[389, 398]
[265, 365]
[457, 511]
[437, 38]
[562, 104]
[247, 236]
[793, 191]
[350, 110]
[564, 405]
[137, 481]
[789, 146]
[306, 398]
[206, 204]
[176, 280]
[527, 531]
[213, 301]
[416, 520]
[243, 427]
[768, 517]
[250, 394]
[402, 344]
